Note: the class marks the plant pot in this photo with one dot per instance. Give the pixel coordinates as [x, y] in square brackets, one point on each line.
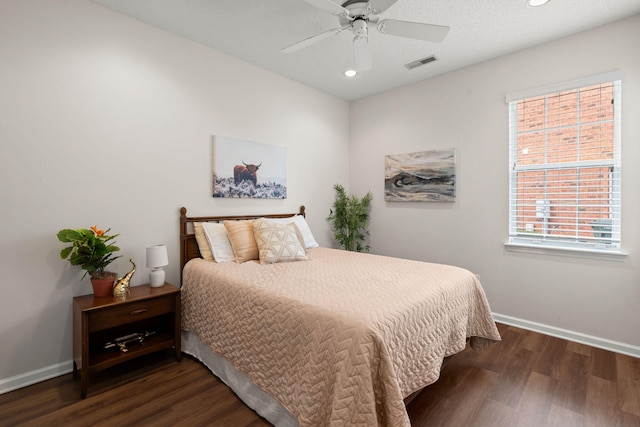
[103, 284]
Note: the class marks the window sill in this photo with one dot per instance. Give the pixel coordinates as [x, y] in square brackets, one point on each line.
[548, 250]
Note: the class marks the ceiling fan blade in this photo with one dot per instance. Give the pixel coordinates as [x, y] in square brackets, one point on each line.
[413, 30]
[328, 6]
[362, 53]
[311, 40]
[378, 6]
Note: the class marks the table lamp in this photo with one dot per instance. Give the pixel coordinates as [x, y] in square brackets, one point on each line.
[156, 259]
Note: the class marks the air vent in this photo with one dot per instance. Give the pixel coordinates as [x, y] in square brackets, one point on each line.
[420, 62]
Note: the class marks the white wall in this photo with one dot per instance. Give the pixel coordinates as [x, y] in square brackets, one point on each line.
[466, 110]
[108, 121]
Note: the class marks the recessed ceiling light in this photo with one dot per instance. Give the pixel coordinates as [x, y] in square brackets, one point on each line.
[350, 73]
[536, 3]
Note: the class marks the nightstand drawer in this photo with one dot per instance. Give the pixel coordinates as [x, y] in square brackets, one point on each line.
[127, 313]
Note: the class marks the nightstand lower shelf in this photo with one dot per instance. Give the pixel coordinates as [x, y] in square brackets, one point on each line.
[108, 358]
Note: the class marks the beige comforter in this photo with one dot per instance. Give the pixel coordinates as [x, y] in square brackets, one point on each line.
[342, 338]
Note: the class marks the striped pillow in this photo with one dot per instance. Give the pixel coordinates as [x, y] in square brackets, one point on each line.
[242, 240]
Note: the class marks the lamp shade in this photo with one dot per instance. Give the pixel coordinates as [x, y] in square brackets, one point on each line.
[157, 256]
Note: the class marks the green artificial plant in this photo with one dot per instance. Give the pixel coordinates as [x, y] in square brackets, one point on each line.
[349, 219]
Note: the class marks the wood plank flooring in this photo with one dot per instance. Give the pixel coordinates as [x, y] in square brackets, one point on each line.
[528, 379]
[531, 379]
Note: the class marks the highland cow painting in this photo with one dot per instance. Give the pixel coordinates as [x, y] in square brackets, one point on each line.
[248, 169]
[424, 176]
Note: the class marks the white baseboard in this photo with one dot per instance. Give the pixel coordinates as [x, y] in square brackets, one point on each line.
[32, 377]
[36, 376]
[616, 347]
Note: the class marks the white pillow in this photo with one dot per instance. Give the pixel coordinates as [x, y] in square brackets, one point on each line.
[301, 223]
[218, 240]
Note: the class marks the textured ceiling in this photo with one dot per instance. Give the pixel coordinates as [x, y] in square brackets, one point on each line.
[256, 30]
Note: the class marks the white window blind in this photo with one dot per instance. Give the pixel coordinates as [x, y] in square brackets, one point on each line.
[564, 154]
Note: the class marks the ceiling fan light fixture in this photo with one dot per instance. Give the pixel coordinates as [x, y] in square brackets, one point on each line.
[536, 3]
[350, 73]
[359, 28]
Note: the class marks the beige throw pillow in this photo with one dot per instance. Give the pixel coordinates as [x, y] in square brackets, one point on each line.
[278, 242]
[201, 239]
[242, 240]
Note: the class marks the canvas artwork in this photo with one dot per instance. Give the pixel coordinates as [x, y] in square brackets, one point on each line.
[424, 176]
[248, 169]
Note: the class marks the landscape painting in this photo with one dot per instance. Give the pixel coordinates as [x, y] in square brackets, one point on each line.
[424, 176]
[248, 169]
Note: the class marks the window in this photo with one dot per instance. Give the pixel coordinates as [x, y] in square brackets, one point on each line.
[564, 154]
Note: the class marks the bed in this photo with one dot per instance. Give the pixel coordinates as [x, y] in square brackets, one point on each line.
[329, 337]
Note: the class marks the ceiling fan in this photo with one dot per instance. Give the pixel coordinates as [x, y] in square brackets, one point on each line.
[357, 16]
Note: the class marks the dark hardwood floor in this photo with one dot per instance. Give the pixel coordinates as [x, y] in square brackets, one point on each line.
[526, 380]
[534, 380]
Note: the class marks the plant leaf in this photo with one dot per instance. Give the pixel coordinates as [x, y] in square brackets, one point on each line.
[64, 254]
[68, 235]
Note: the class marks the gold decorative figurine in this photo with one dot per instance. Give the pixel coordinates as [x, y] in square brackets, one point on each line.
[122, 287]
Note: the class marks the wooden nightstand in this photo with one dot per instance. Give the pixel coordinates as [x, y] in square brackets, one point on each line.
[98, 321]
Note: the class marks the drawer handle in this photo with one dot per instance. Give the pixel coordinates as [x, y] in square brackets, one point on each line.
[142, 310]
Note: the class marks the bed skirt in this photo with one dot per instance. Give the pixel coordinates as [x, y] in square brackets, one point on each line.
[252, 395]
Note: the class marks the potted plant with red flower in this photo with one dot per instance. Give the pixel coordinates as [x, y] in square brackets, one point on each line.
[92, 249]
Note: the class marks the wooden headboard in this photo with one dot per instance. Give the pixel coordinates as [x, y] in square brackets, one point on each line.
[189, 246]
